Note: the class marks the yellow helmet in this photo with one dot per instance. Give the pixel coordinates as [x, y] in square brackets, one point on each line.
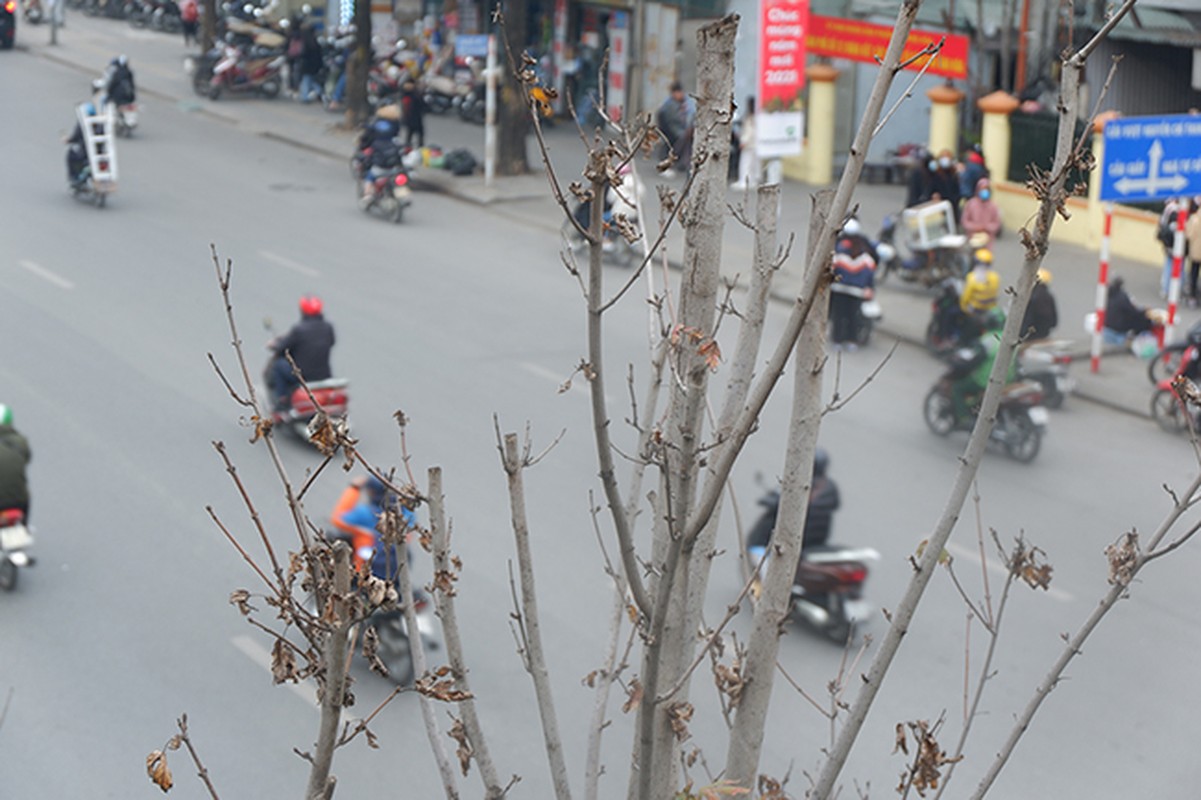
[1044, 276]
[983, 255]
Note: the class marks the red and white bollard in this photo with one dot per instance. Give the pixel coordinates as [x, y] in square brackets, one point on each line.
[1102, 288]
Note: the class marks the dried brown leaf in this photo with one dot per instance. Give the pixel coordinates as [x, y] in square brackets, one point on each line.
[156, 768]
[633, 696]
[283, 663]
[241, 599]
[1123, 559]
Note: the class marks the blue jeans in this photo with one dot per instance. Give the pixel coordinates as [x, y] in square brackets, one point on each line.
[310, 89]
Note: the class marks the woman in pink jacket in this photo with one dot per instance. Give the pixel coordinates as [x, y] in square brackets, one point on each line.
[980, 213]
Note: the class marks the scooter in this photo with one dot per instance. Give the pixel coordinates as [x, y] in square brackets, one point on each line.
[330, 396]
[1021, 417]
[386, 192]
[827, 592]
[15, 539]
[237, 73]
[1169, 410]
[936, 251]
[1047, 361]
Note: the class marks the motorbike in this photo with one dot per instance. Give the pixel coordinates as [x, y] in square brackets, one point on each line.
[381, 179]
[827, 593]
[442, 94]
[472, 104]
[331, 396]
[239, 72]
[15, 540]
[1169, 410]
[394, 649]
[32, 11]
[936, 250]
[125, 120]
[1021, 417]
[946, 317]
[1047, 361]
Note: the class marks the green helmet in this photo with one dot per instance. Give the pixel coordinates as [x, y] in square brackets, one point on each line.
[6, 415]
[994, 319]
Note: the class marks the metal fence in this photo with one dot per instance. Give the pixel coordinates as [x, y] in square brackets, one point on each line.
[1032, 141]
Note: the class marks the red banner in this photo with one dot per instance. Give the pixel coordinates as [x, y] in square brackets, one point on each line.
[864, 41]
[782, 28]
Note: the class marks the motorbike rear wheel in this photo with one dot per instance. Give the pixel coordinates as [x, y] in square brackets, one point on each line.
[8, 575]
[1023, 439]
[269, 88]
[1165, 364]
[1168, 410]
[939, 412]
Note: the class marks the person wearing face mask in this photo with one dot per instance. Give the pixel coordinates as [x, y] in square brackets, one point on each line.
[982, 285]
[980, 213]
[973, 170]
[945, 179]
[921, 179]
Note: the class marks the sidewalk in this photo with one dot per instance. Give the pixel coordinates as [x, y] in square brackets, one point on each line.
[87, 44]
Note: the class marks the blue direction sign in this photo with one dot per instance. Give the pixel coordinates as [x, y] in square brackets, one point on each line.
[1151, 158]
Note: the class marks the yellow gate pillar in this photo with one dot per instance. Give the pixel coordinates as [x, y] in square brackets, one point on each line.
[819, 122]
[995, 133]
[944, 118]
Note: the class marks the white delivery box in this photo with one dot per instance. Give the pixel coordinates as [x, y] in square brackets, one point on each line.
[931, 225]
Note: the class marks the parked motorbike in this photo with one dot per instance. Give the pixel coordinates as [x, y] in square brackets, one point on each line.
[1169, 410]
[15, 541]
[935, 250]
[241, 73]
[442, 94]
[1047, 361]
[1021, 417]
[32, 11]
[472, 104]
[827, 593]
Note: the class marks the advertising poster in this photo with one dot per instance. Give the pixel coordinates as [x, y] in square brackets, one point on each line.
[619, 56]
[780, 116]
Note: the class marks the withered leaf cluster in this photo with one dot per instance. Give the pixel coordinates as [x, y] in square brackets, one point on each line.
[1029, 564]
[928, 760]
[1123, 559]
[464, 751]
[160, 774]
[633, 696]
[441, 685]
[730, 680]
[680, 714]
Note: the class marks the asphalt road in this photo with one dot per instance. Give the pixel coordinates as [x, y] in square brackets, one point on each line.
[456, 316]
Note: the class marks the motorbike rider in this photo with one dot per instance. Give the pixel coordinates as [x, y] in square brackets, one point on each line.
[981, 286]
[1041, 313]
[854, 268]
[823, 502]
[309, 343]
[14, 458]
[77, 154]
[973, 362]
[118, 82]
[357, 514]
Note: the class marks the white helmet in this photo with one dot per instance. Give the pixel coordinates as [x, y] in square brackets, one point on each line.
[852, 227]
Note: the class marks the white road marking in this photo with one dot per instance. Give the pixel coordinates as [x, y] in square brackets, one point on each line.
[259, 655]
[289, 263]
[46, 275]
[972, 554]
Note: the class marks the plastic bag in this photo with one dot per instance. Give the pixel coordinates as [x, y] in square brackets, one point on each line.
[1144, 346]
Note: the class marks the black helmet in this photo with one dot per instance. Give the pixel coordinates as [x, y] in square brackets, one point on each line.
[821, 460]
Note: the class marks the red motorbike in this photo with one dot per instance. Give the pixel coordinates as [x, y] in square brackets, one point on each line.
[238, 72]
[1168, 408]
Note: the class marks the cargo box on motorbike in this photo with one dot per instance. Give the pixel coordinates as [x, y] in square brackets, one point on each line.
[931, 225]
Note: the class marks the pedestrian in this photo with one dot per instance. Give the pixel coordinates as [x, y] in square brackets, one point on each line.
[748, 159]
[412, 113]
[944, 180]
[920, 187]
[1041, 313]
[189, 16]
[292, 52]
[676, 118]
[14, 458]
[311, 64]
[1192, 241]
[854, 282]
[972, 171]
[981, 214]
[1166, 233]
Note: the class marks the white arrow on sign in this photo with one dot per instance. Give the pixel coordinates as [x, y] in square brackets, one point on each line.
[1153, 183]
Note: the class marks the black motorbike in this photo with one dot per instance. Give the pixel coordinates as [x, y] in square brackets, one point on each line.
[827, 592]
[1021, 417]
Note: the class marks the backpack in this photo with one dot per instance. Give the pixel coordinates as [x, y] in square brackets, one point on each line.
[459, 162]
[190, 12]
[1166, 230]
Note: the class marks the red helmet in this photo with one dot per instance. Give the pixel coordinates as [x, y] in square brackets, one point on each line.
[310, 305]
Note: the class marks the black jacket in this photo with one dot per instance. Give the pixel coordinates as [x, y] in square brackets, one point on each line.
[14, 456]
[309, 342]
[1122, 315]
[1041, 315]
